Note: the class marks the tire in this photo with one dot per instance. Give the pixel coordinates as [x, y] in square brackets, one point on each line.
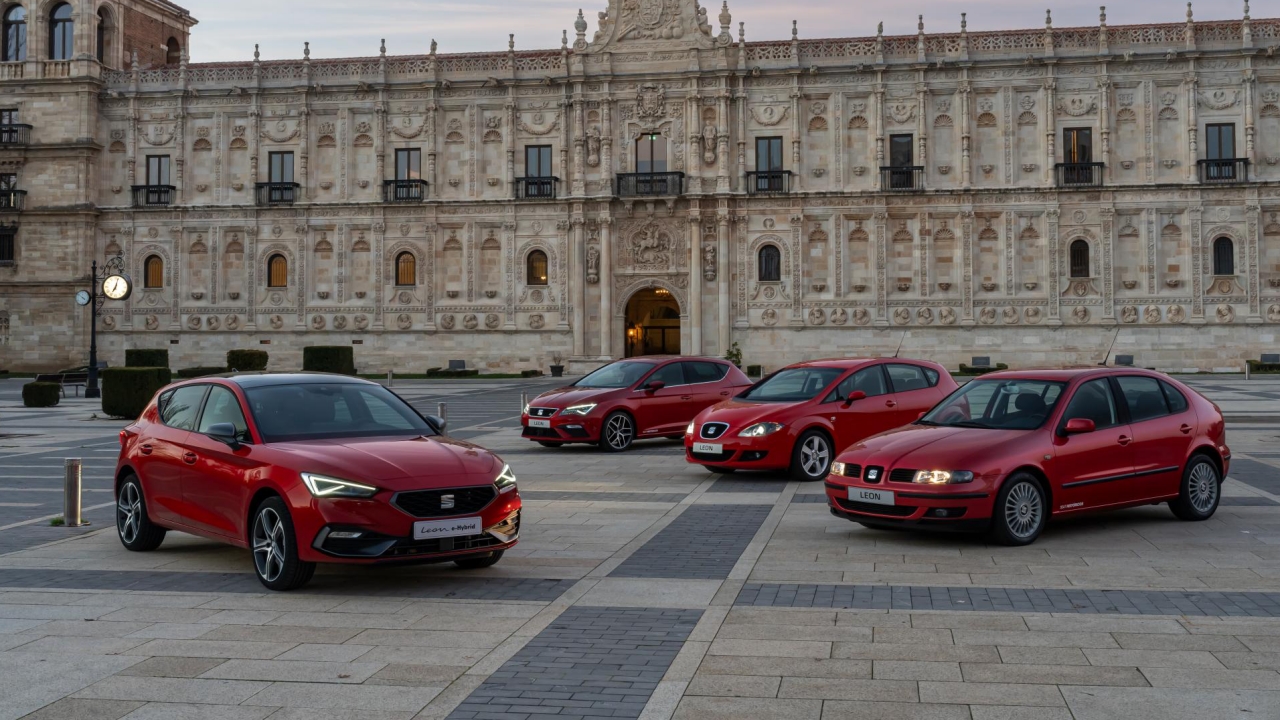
[133, 526]
[476, 563]
[544, 443]
[1200, 490]
[720, 470]
[617, 432]
[1020, 511]
[275, 548]
[811, 457]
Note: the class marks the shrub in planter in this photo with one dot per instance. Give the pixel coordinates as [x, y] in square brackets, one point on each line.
[139, 357]
[195, 372]
[126, 391]
[247, 360]
[339, 359]
[969, 370]
[449, 373]
[41, 394]
[530, 373]
[1262, 368]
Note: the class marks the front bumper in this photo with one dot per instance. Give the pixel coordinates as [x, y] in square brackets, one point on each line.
[563, 428]
[374, 546]
[956, 507]
[772, 452]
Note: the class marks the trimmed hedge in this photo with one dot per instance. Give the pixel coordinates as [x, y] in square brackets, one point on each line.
[339, 359]
[530, 373]
[967, 370]
[139, 357]
[126, 391]
[1257, 366]
[447, 373]
[247, 360]
[41, 394]
[195, 372]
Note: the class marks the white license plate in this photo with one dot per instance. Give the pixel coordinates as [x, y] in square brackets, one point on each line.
[539, 423]
[708, 448]
[876, 497]
[428, 529]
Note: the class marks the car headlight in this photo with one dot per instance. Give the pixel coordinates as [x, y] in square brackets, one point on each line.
[689, 430]
[837, 468]
[325, 486]
[578, 409]
[942, 477]
[760, 429]
[506, 480]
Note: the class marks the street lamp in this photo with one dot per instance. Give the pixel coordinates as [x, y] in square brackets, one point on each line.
[111, 284]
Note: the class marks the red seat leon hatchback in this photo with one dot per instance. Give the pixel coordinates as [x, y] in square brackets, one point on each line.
[1010, 450]
[304, 468]
[799, 417]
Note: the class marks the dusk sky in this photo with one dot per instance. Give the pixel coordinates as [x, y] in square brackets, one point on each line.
[228, 29]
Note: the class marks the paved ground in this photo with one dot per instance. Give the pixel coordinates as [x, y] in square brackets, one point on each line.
[644, 587]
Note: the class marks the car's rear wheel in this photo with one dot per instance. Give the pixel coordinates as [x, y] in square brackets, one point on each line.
[133, 525]
[618, 432]
[475, 563]
[1020, 511]
[720, 470]
[275, 548]
[811, 457]
[544, 443]
[1200, 492]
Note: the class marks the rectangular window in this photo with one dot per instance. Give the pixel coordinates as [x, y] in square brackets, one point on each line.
[901, 153]
[8, 245]
[8, 116]
[281, 164]
[651, 154]
[157, 169]
[537, 161]
[1077, 145]
[8, 182]
[409, 164]
[1220, 141]
[768, 154]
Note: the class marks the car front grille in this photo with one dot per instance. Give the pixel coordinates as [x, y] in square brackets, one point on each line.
[852, 471]
[541, 412]
[902, 475]
[533, 432]
[712, 457]
[713, 430]
[873, 509]
[411, 548]
[431, 503]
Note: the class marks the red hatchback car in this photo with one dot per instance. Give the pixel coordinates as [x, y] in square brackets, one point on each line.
[631, 399]
[799, 417]
[310, 468]
[1011, 449]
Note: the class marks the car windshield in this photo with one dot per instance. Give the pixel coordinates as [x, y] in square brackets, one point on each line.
[616, 375]
[316, 411]
[998, 405]
[792, 385]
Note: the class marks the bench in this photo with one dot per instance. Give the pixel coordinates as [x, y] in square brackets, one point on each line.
[76, 380]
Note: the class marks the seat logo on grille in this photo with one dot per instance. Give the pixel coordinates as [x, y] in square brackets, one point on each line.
[446, 502]
[873, 474]
[714, 430]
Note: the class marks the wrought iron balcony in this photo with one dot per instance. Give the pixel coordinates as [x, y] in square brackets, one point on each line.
[1227, 170]
[767, 182]
[13, 200]
[404, 191]
[1079, 174]
[276, 193]
[902, 177]
[153, 195]
[537, 188]
[15, 134]
[650, 184]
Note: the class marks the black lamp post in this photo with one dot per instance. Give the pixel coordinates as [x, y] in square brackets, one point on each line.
[112, 268]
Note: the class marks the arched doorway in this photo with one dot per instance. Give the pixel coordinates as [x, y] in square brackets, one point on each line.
[653, 323]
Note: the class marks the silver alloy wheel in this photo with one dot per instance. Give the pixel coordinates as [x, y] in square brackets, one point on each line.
[618, 431]
[814, 456]
[268, 544]
[1023, 509]
[1202, 487]
[129, 513]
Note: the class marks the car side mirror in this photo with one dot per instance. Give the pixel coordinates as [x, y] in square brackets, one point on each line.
[439, 422]
[655, 385]
[1077, 426]
[225, 433]
[855, 395]
[921, 415]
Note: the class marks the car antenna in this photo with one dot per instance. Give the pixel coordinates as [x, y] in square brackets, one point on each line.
[900, 341]
[1107, 357]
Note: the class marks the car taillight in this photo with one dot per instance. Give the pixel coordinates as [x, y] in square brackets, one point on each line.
[124, 436]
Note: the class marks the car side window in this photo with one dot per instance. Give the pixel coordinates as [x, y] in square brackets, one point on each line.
[868, 380]
[672, 374]
[1093, 401]
[222, 407]
[1177, 401]
[1143, 396]
[180, 407]
[704, 372]
[932, 376]
[906, 378]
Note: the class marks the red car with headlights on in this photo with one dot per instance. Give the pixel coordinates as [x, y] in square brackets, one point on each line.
[1011, 449]
[799, 417]
[306, 468]
[631, 399]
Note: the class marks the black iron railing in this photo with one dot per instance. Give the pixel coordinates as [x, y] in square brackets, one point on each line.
[763, 182]
[537, 188]
[276, 193]
[1228, 170]
[404, 191]
[638, 184]
[1079, 174]
[13, 200]
[153, 195]
[902, 177]
[15, 134]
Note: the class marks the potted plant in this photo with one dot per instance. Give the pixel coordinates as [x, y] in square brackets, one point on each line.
[734, 355]
[557, 370]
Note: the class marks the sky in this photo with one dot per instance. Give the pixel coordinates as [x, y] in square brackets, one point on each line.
[228, 29]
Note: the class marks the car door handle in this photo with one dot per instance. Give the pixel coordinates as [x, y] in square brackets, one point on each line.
[146, 449]
[686, 397]
[890, 403]
[1124, 439]
[1185, 428]
[726, 393]
[189, 458]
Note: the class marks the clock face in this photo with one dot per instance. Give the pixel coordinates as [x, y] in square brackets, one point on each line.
[117, 287]
[83, 298]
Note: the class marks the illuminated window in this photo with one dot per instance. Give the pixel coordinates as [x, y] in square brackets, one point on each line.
[536, 268]
[277, 271]
[153, 272]
[406, 269]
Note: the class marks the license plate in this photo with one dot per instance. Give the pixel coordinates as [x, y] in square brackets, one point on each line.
[539, 423]
[875, 497]
[708, 448]
[428, 529]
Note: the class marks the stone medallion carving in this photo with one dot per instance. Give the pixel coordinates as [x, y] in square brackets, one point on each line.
[817, 316]
[212, 322]
[277, 322]
[152, 322]
[492, 321]
[1010, 315]
[861, 316]
[535, 296]
[924, 316]
[151, 299]
[769, 317]
[470, 321]
[1129, 314]
[361, 321]
[405, 297]
[339, 322]
[1273, 313]
[194, 322]
[593, 265]
[447, 321]
[536, 321]
[275, 298]
[1177, 314]
[317, 322]
[232, 322]
[650, 247]
[839, 316]
[109, 322]
[770, 292]
[987, 315]
[1032, 314]
[947, 316]
[902, 316]
[1225, 313]
[708, 262]
[404, 321]
[1080, 314]
[1151, 314]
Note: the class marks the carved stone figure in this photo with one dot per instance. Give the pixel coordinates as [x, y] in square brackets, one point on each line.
[708, 143]
[924, 316]
[276, 322]
[1129, 314]
[593, 265]
[492, 321]
[1080, 314]
[1010, 315]
[1032, 314]
[947, 316]
[317, 322]
[861, 316]
[1225, 313]
[650, 247]
[901, 315]
[1177, 314]
[470, 321]
[593, 146]
[536, 321]
[1151, 315]
[152, 322]
[361, 322]
[817, 316]
[987, 315]
[769, 317]
[447, 321]
[709, 262]
[839, 316]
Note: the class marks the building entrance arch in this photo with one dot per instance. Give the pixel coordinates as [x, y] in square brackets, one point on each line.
[652, 323]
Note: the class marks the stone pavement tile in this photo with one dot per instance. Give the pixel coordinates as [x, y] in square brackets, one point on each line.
[1212, 679]
[1206, 626]
[477, 621]
[185, 711]
[1034, 639]
[241, 617]
[87, 628]
[718, 708]
[1104, 623]
[339, 714]
[281, 634]
[968, 621]
[180, 690]
[915, 670]
[1042, 655]
[734, 685]
[419, 655]
[9, 626]
[797, 667]
[794, 632]
[1015, 712]
[1143, 641]
[172, 631]
[917, 636]
[1052, 674]
[342, 620]
[845, 689]
[79, 709]
[915, 651]
[86, 646]
[970, 693]
[41, 597]
[1249, 660]
[294, 671]
[650, 592]
[771, 648]
[146, 599]
[28, 682]
[430, 638]
[157, 614]
[416, 675]
[1258, 643]
[781, 616]
[873, 618]
[293, 602]
[247, 649]
[53, 612]
[177, 667]
[862, 710]
[1105, 703]
[1155, 658]
[354, 697]
[326, 652]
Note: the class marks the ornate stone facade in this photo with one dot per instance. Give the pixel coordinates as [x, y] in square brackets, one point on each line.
[980, 242]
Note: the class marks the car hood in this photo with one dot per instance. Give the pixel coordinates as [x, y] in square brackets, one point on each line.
[927, 446]
[568, 396]
[739, 414]
[396, 463]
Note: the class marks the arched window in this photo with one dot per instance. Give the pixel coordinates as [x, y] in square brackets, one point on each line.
[277, 271]
[172, 52]
[104, 35]
[153, 272]
[61, 33]
[406, 269]
[1080, 259]
[770, 266]
[535, 268]
[15, 34]
[1224, 257]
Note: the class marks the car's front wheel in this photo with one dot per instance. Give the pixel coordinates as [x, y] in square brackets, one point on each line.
[1020, 511]
[275, 549]
[618, 431]
[1200, 492]
[476, 563]
[133, 525]
[720, 470]
[811, 457]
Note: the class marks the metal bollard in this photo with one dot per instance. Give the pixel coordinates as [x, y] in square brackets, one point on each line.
[1246, 369]
[443, 412]
[524, 401]
[390, 377]
[71, 493]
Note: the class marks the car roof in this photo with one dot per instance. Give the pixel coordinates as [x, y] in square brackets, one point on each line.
[841, 363]
[667, 358]
[1067, 374]
[254, 380]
